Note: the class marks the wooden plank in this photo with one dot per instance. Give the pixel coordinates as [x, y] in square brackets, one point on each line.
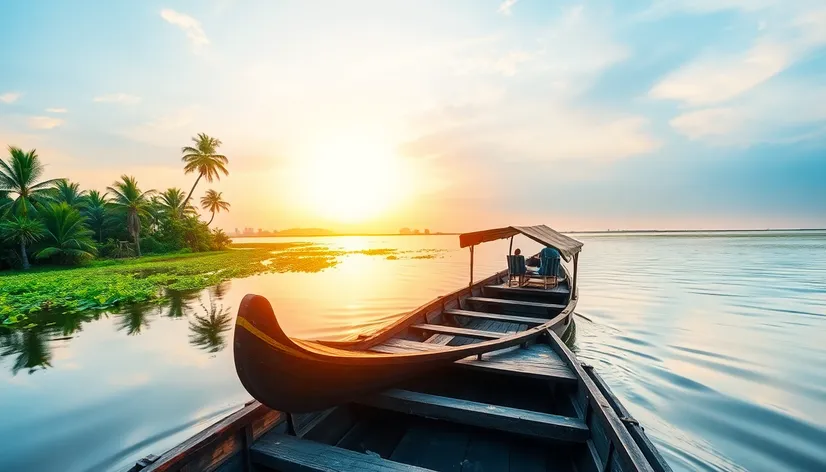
[513, 420]
[487, 453]
[433, 446]
[525, 458]
[650, 451]
[561, 289]
[208, 449]
[379, 434]
[290, 454]
[452, 330]
[624, 445]
[528, 320]
[536, 361]
[515, 303]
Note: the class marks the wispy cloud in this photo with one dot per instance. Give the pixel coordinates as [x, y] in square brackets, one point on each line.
[714, 79]
[57, 110]
[44, 122]
[717, 77]
[188, 24]
[778, 112]
[124, 98]
[505, 7]
[9, 97]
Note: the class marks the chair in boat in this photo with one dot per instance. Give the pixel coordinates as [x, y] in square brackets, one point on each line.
[517, 269]
[549, 265]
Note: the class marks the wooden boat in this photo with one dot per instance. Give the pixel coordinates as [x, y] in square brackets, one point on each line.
[479, 379]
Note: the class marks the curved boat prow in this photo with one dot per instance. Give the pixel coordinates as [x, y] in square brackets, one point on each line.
[255, 314]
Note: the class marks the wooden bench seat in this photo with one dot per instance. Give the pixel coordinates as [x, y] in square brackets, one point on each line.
[500, 418]
[454, 331]
[515, 303]
[291, 454]
[498, 317]
[537, 361]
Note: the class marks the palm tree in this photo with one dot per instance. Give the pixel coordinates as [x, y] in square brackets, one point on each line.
[212, 202]
[5, 202]
[172, 201]
[67, 237]
[204, 159]
[24, 231]
[69, 192]
[19, 176]
[98, 213]
[134, 202]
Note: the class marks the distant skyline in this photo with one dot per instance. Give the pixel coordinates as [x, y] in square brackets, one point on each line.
[369, 116]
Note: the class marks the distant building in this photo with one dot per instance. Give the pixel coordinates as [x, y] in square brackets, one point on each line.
[236, 231]
[249, 231]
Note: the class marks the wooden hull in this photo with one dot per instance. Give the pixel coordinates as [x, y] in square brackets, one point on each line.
[301, 376]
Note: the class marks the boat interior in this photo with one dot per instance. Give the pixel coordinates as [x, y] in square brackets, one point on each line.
[528, 412]
[525, 407]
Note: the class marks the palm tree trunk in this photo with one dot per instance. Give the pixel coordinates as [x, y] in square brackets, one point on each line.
[137, 237]
[190, 192]
[213, 217]
[23, 255]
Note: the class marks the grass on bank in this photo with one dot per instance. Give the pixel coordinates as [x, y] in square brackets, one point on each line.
[107, 283]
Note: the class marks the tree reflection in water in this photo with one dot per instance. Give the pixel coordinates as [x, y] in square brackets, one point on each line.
[218, 291]
[30, 346]
[180, 303]
[207, 331]
[133, 319]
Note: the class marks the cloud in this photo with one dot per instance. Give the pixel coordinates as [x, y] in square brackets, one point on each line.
[44, 122]
[57, 110]
[9, 97]
[780, 112]
[124, 98]
[505, 7]
[189, 25]
[714, 79]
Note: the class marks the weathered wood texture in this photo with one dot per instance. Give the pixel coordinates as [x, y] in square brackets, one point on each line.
[209, 449]
[455, 331]
[654, 457]
[516, 304]
[290, 454]
[630, 455]
[533, 321]
[536, 361]
[482, 415]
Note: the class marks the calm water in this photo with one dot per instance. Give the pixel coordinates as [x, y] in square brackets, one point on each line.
[716, 343]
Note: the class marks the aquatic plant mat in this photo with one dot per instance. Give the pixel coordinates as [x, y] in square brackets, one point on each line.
[108, 283]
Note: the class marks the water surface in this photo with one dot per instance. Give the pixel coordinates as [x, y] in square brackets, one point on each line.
[713, 341]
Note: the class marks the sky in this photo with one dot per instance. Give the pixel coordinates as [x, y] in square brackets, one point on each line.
[453, 116]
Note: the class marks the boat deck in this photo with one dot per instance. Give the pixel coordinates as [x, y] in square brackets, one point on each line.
[529, 407]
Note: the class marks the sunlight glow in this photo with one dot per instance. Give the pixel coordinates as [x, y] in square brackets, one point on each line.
[352, 178]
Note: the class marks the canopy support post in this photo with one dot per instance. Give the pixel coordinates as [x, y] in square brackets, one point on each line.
[471, 267]
[510, 248]
[573, 286]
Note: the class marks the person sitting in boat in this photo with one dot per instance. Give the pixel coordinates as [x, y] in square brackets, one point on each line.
[547, 253]
[517, 252]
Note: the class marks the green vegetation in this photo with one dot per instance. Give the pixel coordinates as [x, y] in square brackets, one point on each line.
[56, 222]
[108, 283]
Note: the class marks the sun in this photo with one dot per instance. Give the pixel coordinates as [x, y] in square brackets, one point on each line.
[351, 178]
